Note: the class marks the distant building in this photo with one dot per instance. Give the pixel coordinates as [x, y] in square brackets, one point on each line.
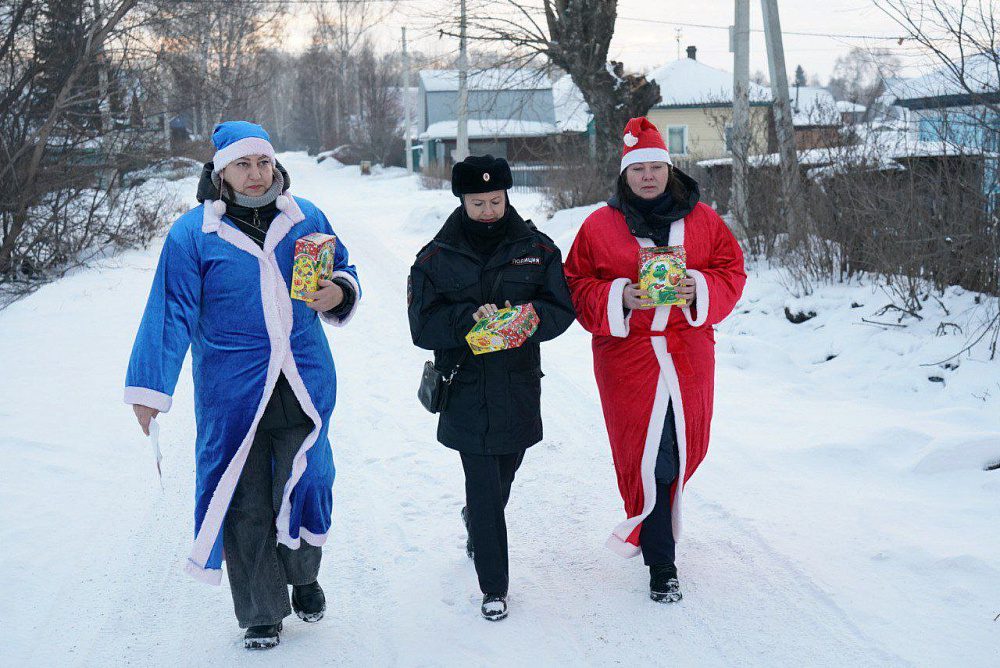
[939, 109]
[815, 117]
[510, 113]
[695, 114]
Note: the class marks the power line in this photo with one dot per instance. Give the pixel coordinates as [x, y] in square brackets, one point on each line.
[760, 30]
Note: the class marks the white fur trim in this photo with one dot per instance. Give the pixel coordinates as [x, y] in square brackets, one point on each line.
[277, 307]
[701, 299]
[282, 202]
[669, 373]
[212, 576]
[676, 237]
[241, 148]
[219, 207]
[618, 324]
[340, 322]
[618, 540]
[299, 462]
[310, 538]
[144, 396]
[668, 390]
[645, 155]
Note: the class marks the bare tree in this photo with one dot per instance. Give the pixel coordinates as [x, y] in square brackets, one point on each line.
[573, 35]
[859, 75]
[951, 33]
[379, 121]
[211, 50]
[342, 31]
[45, 115]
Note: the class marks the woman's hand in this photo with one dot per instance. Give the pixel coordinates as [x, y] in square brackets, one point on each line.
[635, 298]
[327, 297]
[686, 290]
[144, 414]
[486, 310]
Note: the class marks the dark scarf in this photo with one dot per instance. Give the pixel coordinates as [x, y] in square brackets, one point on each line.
[484, 238]
[253, 222]
[652, 218]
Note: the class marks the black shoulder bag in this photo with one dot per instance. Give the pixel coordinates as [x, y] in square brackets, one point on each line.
[436, 384]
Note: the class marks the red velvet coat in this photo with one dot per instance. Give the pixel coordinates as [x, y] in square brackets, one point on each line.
[650, 357]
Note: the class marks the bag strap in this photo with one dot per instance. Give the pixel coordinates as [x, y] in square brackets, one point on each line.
[465, 356]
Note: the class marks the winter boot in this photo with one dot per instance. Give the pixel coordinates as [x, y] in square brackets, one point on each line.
[308, 602]
[663, 585]
[494, 607]
[265, 636]
[469, 552]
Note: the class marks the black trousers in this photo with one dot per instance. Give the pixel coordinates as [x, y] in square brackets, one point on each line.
[488, 479]
[259, 569]
[656, 537]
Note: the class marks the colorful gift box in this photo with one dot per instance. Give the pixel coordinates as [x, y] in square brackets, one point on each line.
[507, 328]
[661, 270]
[314, 254]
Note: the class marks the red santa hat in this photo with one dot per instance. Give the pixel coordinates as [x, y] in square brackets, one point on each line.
[643, 143]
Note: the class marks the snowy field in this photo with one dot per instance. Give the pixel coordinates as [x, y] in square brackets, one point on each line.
[843, 516]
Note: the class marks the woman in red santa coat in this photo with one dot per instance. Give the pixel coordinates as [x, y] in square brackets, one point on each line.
[655, 365]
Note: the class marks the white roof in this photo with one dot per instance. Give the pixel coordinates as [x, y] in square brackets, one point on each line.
[490, 128]
[491, 79]
[689, 82]
[844, 106]
[884, 147]
[572, 112]
[813, 106]
[980, 74]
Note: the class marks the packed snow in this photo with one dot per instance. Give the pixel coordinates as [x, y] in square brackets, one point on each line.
[844, 515]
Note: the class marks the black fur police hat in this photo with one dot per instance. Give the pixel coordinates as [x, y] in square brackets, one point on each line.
[480, 174]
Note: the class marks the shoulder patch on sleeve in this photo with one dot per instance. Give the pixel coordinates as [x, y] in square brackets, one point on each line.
[427, 254]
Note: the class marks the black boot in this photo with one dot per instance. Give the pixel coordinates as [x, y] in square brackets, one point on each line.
[308, 602]
[663, 585]
[262, 637]
[469, 552]
[494, 606]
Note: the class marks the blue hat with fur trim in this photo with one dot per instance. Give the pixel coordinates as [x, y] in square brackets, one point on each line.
[236, 139]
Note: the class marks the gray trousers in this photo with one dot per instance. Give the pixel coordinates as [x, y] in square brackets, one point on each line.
[259, 569]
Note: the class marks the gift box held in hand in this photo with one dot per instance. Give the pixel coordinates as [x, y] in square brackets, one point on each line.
[661, 270]
[507, 328]
[314, 255]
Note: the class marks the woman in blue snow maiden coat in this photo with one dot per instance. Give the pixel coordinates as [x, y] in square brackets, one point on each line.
[264, 379]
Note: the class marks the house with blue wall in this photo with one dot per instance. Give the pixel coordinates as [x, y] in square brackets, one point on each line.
[512, 113]
[961, 115]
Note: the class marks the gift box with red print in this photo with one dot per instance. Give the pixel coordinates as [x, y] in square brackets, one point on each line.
[314, 255]
[505, 329]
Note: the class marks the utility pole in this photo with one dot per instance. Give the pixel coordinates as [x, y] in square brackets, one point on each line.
[462, 135]
[782, 116]
[407, 124]
[740, 46]
[677, 36]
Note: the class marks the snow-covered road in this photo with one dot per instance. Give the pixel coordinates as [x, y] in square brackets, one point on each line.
[842, 518]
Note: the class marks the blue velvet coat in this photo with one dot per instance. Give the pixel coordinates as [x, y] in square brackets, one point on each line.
[218, 293]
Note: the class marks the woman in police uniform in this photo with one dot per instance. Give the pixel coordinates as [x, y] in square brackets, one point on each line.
[486, 255]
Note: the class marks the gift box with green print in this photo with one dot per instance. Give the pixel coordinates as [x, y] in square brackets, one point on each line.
[661, 270]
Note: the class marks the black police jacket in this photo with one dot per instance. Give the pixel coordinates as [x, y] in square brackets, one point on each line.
[494, 402]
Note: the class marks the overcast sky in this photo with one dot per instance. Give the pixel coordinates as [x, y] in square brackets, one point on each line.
[645, 32]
